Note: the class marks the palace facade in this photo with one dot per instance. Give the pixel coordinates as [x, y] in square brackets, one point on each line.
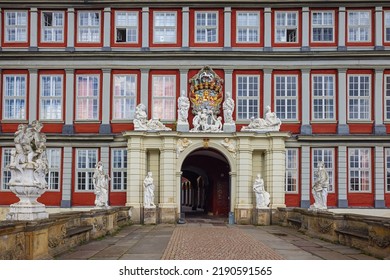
[82, 67]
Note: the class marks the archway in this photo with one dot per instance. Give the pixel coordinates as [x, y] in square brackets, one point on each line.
[205, 185]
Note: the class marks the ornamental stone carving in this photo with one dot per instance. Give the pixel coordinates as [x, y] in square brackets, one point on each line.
[149, 191]
[262, 197]
[181, 145]
[230, 145]
[183, 107]
[100, 183]
[270, 123]
[320, 188]
[206, 121]
[228, 108]
[141, 123]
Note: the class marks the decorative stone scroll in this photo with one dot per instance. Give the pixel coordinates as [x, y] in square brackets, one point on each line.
[270, 123]
[141, 123]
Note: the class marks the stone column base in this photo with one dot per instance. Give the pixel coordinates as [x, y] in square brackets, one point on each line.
[243, 216]
[229, 127]
[23, 212]
[262, 216]
[150, 216]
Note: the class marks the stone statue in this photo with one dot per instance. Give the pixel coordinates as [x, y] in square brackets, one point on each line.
[262, 197]
[142, 123]
[196, 122]
[320, 188]
[228, 108]
[183, 107]
[205, 121]
[149, 191]
[181, 145]
[100, 183]
[230, 145]
[270, 122]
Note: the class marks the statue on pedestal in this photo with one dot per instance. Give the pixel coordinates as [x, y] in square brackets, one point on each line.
[228, 108]
[320, 188]
[142, 123]
[100, 183]
[262, 197]
[149, 191]
[270, 122]
[183, 107]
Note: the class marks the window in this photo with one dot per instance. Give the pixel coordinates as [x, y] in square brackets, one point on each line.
[322, 26]
[165, 27]
[325, 155]
[286, 27]
[125, 96]
[54, 166]
[51, 92]
[248, 27]
[359, 92]
[88, 27]
[87, 105]
[387, 26]
[387, 155]
[359, 26]
[126, 27]
[286, 96]
[15, 92]
[164, 97]
[323, 97]
[206, 27]
[52, 27]
[86, 163]
[5, 173]
[119, 169]
[292, 170]
[247, 96]
[359, 170]
[16, 23]
[387, 96]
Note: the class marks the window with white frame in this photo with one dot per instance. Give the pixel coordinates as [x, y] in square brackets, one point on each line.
[85, 168]
[119, 170]
[53, 27]
[248, 96]
[14, 97]
[87, 103]
[248, 27]
[359, 26]
[292, 170]
[125, 96]
[359, 170]
[5, 173]
[54, 166]
[322, 26]
[323, 90]
[126, 27]
[326, 155]
[16, 23]
[206, 27]
[165, 24]
[164, 97]
[387, 26]
[387, 97]
[387, 155]
[286, 27]
[88, 27]
[286, 97]
[359, 93]
[51, 94]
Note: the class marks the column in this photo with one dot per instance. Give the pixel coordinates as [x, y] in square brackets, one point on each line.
[33, 29]
[306, 127]
[229, 80]
[1, 26]
[228, 27]
[343, 127]
[71, 30]
[145, 28]
[267, 92]
[107, 29]
[69, 102]
[342, 173]
[66, 200]
[305, 177]
[267, 30]
[305, 29]
[379, 178]
[105, 158]
[342, 29]
[379, 28]
[184, 80]
[105, 127]
[379, 127]
[145, 86]
[185, 27]
[33, 98]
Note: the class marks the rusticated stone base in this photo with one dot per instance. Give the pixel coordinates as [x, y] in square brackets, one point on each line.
[24, 212]
[150, 216]
[262, 217]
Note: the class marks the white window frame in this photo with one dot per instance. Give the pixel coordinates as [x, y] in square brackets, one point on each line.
[127, 98]
[120, 168]
[16, 94]
[359, 27]
[88, 171]
[293, 169]
[127, 27]
[207, 27]
[90, 27]
[360, 169]
[326, 96]
[164, 97]
[323, 25]
[286, 27]
[52, 98]
[18, 29]
[286, 98]
[89, 98]
[387, 97]
[386, 26]
[359, 98]
[5, 174]
[54, 157]
[164, 28]
[387, 170]
[247, 28]
[247, 98]
[53, 28]
[327, 155]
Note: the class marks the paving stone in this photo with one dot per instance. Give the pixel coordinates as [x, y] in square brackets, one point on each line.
[331, 255]
[140, 257]
[362, 257]
[78, 255]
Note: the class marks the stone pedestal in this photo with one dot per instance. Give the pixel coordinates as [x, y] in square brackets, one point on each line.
[183, 127]
[262, 216]
[243, 216]
[229, 127]
[150, 216]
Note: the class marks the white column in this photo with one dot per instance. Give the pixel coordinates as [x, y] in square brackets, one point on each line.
[185, 27]
[229, 80]
[379, 127]
[69, 102]
[33, 98]
[379, 28]
[305, 29]
[71, 30]
[105, 127]
[342, 110]
[33, 29]
[145, 27]
[267, 89]
[342, 174]
[107, 29]
[306, 127]
[145, 86]
[228, 27]
[267, 29]
[305, 177]
[379, 181]
[67, 178]
[342, 29]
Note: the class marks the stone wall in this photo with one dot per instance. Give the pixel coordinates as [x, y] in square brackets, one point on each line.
[44, 239]
[367, 233]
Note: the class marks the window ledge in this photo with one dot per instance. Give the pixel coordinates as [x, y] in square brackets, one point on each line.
[14, 121]
[360, 122]
[123, 121]
[87, 121]
[324, 122]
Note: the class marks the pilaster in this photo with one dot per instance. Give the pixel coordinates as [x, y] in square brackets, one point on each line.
[342, 177]
[145, 28]
[228, 27]
[33, 29]
[267, 92]
[379, 28]
[107, 29]
[33, 98]
[69, 102]
[228, 80]
[342, 29]
[185, 27]
[379, 181]
[379, 128]
[105, 127]
[267, 29]
[66, 199]
[305, 177]
[145, 86]
[306, 127]
[71, 30]
[305, 29]
[343, 127]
